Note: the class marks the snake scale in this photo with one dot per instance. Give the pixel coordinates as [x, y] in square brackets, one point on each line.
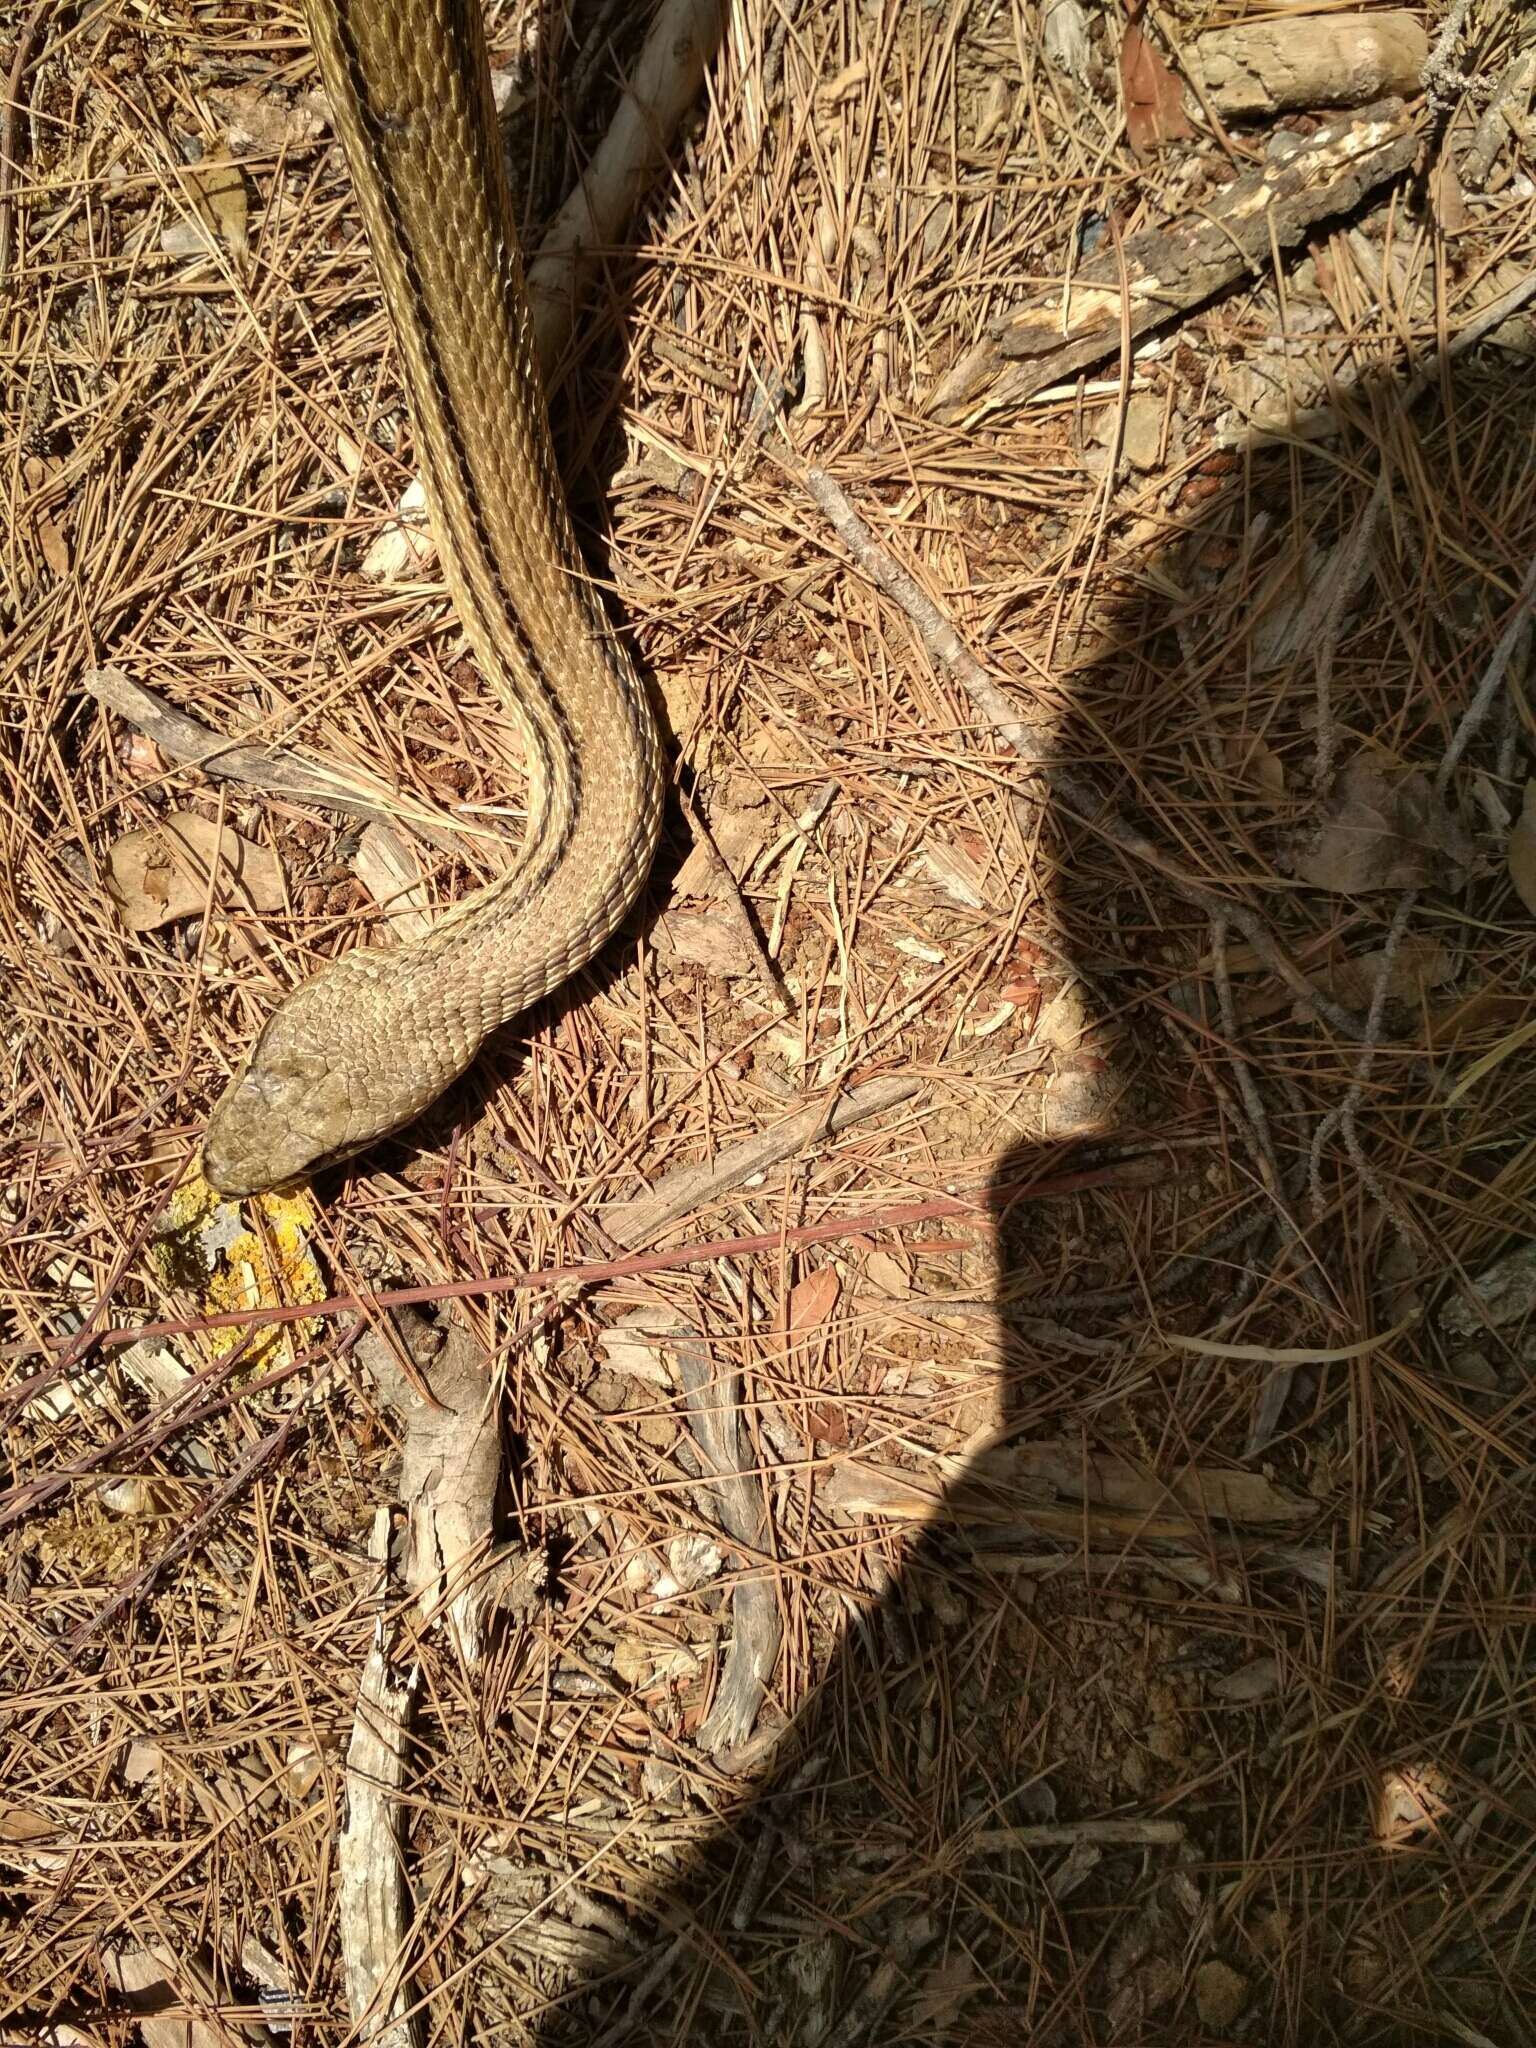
[374, 1037]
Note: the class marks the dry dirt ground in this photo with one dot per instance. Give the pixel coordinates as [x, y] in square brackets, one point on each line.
[1115, 1454]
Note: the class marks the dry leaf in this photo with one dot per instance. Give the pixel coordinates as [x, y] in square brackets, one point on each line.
[51, 544]
[217, 192]
[1419, 963]
[813, 1299]
[1252, 762]
[405, 546]
[1111, 1482]
[885, 1271]
[160, 874]
[18, 1826]
[1446, 195]
[1380, 831]
[1522, 851]
[1154, 99]
[828, 1423]
[1255, 1680]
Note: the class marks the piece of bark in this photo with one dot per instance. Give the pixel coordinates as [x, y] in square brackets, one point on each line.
[727, 1463]
[373, 1912]
[1500, 119]
[450, 1465]
[1309, 60]
[1171, 269]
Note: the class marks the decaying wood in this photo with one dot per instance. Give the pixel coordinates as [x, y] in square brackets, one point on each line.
[272, 770]
[1309, 60]
[373, 1908]
[1168, 270]
[714, 1408]
[449, 1470]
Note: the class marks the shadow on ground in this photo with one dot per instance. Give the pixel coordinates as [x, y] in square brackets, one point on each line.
[1109, 1758]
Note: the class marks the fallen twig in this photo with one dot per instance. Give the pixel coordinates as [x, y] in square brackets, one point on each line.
[595, 1271]
[268, 769]
[638, 1219]
[21, 57]
[666, 79]
[373, 1908]
[1173, 269]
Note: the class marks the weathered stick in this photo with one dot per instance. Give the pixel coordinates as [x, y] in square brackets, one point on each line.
[1310, 60]
[1169, 270]
[666, 79]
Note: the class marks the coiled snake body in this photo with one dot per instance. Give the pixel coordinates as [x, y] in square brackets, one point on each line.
[375, 1036]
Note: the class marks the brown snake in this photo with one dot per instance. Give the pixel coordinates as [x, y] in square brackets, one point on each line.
[369, 1041]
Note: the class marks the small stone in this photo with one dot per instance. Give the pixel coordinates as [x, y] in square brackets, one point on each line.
[1220, 1995]
[1142, 440]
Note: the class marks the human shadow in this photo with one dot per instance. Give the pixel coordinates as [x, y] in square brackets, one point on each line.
[1005, 1809]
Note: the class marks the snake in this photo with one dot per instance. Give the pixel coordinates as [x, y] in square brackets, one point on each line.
[369, 1041]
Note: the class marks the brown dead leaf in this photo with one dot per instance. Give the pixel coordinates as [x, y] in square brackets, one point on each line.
[1154, 99]
[1447, 197]
[1252, 762]
[885, 1271]
[1255, 1680]
[161, 873]
[218, 192]
[1522, 850]
[1419, 963]
[812, 1300]
[50, 542]
[1384, 831]
[828, 1423]
[18, 1825]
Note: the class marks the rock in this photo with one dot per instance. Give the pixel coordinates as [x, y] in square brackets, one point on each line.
[1142, 441]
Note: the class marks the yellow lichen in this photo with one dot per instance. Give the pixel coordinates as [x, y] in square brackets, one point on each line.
[233, 1255]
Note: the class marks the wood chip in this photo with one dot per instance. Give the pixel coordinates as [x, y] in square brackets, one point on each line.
[373, 1908]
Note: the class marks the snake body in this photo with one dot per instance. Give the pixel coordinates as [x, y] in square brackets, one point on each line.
[374, 1037]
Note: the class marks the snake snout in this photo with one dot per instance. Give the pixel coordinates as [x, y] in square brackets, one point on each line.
[263, 1134]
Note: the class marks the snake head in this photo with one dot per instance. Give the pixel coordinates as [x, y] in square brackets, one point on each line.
[279, 1119]
[335, 1067]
